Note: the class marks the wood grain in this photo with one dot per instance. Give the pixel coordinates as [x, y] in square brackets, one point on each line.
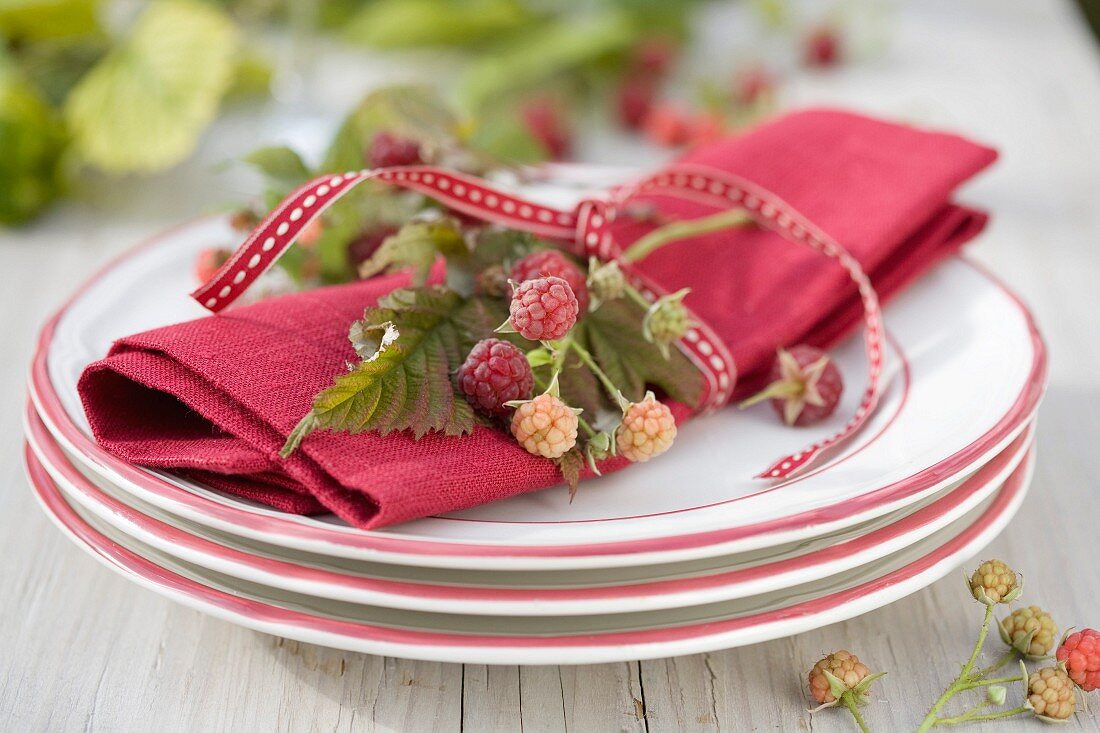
[83, 649]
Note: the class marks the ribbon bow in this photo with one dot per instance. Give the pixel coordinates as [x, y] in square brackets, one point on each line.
[586, 230]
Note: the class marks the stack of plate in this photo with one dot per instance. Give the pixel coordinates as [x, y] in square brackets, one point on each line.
[684, 554]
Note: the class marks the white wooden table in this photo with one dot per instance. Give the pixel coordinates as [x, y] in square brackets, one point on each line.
[83, 649]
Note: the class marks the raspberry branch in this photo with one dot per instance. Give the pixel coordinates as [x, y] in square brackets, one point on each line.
[678, 230]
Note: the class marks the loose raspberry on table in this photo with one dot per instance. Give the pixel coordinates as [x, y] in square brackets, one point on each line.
[545, 426]
[804, 386]
[552, 263]
[843, 665]
[543, 309]
[494, 373]
[1030, 631]
[1050, 694]
[387, 149]
[994, 582]
[1079, 653]
[647, 430]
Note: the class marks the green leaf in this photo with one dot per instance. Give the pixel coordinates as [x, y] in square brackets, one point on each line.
[412, 341]
[552, 49]
[410, 23]
[143, 107]
[416, 245]
[280, 163]
[37, 20]
[614, 337]
[505, 137]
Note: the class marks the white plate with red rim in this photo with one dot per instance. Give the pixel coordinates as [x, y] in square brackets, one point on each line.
[699, 500]
[538, 593]
[540, 640]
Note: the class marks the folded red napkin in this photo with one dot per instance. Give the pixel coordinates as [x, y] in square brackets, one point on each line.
[216, 397]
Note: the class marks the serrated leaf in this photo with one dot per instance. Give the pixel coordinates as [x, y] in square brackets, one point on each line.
[416, 245]
[614, 336]
[144, 105]
[404, 383]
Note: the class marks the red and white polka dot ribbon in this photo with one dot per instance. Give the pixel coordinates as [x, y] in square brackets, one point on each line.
[587, 229]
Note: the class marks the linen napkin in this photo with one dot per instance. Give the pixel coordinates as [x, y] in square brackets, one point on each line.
[216, 397]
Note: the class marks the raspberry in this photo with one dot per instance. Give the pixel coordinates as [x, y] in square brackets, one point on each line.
[492, 281]
[654, 56]
[543, 309]
[843, 665]
[1079, 653]
[495, 372]
[366, 244]
[1029, 630]
[547, 125]
[666, 320]
[605, 281]
[310, 234]
[244, 220]
[752, 85]
[647, 430]
[805, 386]
[1050, 694]
[210, 261]
[552, 263]
[545, 426]
[386, 150]
[994, 582]
[706, 128]
[634, 100]
[821, 48]
[667, 125]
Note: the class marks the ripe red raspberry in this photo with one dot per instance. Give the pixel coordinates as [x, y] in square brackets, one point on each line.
[366, 244]
[545, 426]
[386, 150]
[1079, 653]
[843, 665]
[822, 48]
[707, 127]
[210, 261]
[552, 263]
[667, 125]
[495, 372]
[752, 85]
[654, 56]
[633, 101]
[647, 430]
[549, 126]
[1051, 695]
[543, 309]
[805, 386]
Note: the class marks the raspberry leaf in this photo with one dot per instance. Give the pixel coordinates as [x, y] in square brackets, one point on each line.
[615, 339]
[416, 245]
[410, 344]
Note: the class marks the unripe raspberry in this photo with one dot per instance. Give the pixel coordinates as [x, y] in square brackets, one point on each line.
[494, 373]
[647, 430]
[605, 280]
[994, 582]
[310, 234]
[1079, 653]
[666, 321]
[545, 426]
[543, 309]
[1050, 694]
[1029, 630]
[845, 667]
[552, 263]
[492, 281]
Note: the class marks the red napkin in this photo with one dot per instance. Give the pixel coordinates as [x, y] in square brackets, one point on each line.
[216, 397]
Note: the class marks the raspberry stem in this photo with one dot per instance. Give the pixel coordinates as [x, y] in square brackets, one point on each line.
[993, 681]
[970, 717]
[959, 683]
[586, 358]
[1005, 659]
[849, 702]
[678, 230]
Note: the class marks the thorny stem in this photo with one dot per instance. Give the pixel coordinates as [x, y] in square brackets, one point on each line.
[678, 230]
[1005, 659]
[969, 717]
[850, 703]
[994, 681]
[965, 677]
[637, 297]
